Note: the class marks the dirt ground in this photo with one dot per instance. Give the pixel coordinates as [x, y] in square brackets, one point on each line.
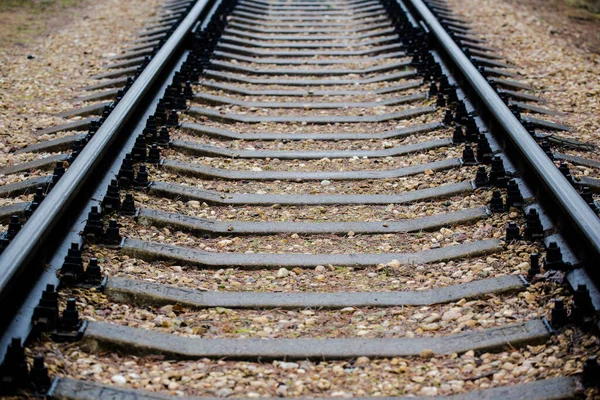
[26, 20]
[569, 19]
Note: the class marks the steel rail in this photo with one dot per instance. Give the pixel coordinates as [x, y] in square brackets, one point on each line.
[34, 233]
[573, 210]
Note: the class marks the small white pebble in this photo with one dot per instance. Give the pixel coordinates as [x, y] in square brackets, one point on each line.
[282, 273]
[429, 391]
[118, 379]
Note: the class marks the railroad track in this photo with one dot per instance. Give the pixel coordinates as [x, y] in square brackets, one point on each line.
[301, 198]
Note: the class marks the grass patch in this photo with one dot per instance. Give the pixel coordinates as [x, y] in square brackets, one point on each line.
[592, 6]
[36, 6]
[23, 20]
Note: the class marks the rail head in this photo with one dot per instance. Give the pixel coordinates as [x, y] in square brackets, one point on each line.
[572, 212]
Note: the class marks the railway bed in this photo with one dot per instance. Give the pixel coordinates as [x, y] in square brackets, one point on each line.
[267, 198]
